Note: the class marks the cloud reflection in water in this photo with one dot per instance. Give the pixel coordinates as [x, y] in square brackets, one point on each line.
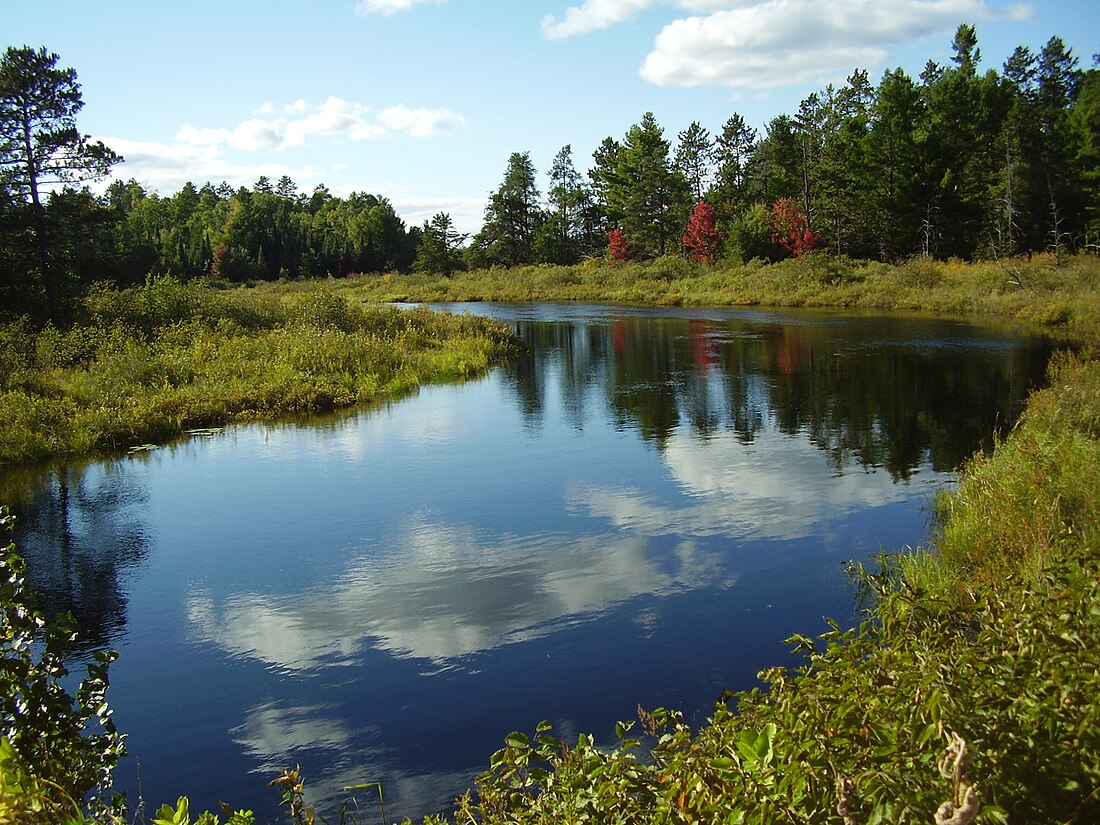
[777, 487]
[446, 596]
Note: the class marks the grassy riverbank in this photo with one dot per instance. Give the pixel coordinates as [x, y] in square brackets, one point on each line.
[152, 362]
[1058, 294]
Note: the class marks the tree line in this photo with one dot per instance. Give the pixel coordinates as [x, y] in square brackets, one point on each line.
[955, 163]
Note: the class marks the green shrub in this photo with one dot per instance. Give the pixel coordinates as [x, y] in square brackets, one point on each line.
[58, 750]
[17, 352]
[323, 309]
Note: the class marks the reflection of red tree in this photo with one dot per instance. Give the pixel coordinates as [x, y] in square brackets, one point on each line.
[702, 346]
[618, 337]
[789, 351]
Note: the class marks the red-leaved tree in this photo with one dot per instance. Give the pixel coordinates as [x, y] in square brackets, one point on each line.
[790, 228]
[618, 246]
[703, 240]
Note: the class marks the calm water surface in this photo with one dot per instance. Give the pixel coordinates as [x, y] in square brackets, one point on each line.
[638, 511]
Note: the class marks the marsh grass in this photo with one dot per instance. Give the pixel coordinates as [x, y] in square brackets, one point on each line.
[152, 362]
[1015, 509]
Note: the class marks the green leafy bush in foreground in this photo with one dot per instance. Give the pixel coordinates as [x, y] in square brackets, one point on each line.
[57, 751]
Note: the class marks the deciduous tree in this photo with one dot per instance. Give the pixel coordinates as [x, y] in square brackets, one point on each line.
[790, 228]
[618, 247]
[703, 240]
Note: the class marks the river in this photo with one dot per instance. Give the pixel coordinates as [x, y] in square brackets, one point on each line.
[637, 511]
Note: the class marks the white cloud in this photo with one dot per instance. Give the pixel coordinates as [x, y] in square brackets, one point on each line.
[387, 7]
[600, 14]
[165, 167]
[780, 42]
[420, 122]
[448, 594]
[254, 135]
[592, 15]
[188, 134]
[333, 117]
[768, 43]
[198, 154]
[737, 490]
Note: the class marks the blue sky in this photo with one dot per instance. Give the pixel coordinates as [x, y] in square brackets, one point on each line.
[423, 101]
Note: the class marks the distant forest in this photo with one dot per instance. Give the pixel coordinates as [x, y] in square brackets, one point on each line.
[956, 163]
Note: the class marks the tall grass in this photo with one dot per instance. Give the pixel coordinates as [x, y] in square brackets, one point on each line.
[1037, 493]
[152, 362]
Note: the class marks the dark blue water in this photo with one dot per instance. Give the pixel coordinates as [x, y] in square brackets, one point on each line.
[637, 511]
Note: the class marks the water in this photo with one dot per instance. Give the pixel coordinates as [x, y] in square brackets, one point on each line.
[636, 512]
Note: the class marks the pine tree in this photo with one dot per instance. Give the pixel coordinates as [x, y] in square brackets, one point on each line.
[40, 144]
[512, 217]
[695, 158]
[648, 191]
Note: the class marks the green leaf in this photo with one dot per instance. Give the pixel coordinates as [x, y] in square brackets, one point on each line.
[167, 815]
[516, 739]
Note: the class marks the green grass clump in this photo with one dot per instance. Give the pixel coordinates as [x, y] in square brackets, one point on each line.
[152, 362]
[1038, 492]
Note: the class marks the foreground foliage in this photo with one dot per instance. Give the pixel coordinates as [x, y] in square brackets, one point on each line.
[57, 750]
[151, 362]
[934, 706]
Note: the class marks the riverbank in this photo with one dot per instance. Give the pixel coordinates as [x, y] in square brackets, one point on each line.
[148, 364]
[1059, 295]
